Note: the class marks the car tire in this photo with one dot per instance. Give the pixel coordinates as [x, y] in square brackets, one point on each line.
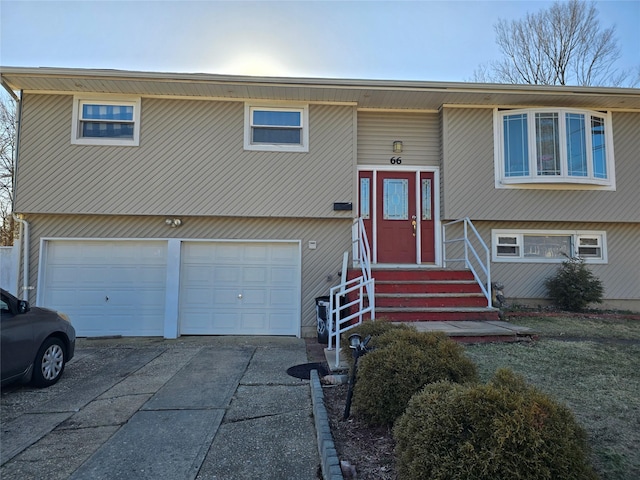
[49, 363]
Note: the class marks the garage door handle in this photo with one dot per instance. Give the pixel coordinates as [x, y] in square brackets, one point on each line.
[240, 296]
[106, 299]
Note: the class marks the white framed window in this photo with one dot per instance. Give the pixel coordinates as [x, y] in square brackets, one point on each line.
[553, 148]
[548, 246]
[276, 128]
[105, 120]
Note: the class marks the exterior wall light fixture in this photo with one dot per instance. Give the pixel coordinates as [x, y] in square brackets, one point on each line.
[397, 146]
[173, 222]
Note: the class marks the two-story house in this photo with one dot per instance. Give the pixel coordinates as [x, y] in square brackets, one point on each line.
[171, 204]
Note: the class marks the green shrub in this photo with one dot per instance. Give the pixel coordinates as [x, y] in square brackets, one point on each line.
[375, 329]
[402, 363]
[574, 286]
[502, 430]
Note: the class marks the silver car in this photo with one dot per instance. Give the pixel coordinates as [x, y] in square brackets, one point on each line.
[36, 343]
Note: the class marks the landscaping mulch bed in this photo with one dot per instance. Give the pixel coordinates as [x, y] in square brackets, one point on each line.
[368, 449]
[587, 361]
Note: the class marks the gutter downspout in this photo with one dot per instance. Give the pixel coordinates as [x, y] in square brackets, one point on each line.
[24, 225]
[24, 237]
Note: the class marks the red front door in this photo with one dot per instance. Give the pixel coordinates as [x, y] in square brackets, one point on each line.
[396, 220]
[404, 227]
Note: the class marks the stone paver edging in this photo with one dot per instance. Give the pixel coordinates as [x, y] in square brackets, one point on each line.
[326, 448]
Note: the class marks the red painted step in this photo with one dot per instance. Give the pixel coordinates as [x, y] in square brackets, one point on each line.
[413, 300]
[436, 314]
[415, 274]
[428, 286]
[406, 295]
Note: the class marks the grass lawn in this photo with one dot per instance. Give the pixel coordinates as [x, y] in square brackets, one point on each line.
[593, 366]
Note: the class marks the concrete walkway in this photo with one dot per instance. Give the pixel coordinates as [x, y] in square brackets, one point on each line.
[463, 331]
[192, 408]
[480, 331]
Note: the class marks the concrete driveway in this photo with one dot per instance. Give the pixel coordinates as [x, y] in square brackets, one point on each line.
[148, 408]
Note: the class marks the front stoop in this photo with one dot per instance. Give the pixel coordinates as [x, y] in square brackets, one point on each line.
[460, 331]
[429, 295]
[477, 332]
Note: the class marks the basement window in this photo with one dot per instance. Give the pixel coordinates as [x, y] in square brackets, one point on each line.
[547, 246]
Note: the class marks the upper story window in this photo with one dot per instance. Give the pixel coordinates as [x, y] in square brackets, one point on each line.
[106, 121]
[276, 128]
[543, 147]
[548, 246]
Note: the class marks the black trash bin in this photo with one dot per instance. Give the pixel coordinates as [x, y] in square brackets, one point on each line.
[322, 317]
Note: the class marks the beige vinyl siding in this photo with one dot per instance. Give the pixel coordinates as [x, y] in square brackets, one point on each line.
[190, 161]
[620, 276]
[418, 132]
[319, 267]
[469, 182]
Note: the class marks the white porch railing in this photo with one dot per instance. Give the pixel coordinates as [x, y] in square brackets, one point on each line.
[340, 319]
[480, 267]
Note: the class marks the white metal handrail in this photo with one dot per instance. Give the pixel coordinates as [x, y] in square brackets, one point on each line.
[484, 267]
[340, 320]
[364, 258]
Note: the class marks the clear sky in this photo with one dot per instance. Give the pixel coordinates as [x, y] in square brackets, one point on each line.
[394, 40]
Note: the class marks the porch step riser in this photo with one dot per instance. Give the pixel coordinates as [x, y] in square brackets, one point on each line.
[430, 302]
[417, 275]
[412, 316]
[426, 287]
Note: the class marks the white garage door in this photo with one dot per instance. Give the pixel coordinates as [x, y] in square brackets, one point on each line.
[107, 287]
[240, 288]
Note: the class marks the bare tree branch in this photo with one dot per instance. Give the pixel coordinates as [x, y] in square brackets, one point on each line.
[563, 45]
[8, 128]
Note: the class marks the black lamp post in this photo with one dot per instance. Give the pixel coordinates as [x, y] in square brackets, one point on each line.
[359, 348]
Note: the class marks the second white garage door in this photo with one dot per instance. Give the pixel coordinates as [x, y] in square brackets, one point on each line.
[240, 288]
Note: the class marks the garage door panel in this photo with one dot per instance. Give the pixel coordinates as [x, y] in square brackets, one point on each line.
[74, 298]
[223, 297]
[197, 297]
[254, 288]
[254, 322]
[225, 274]
[61, 275]
[149, 298]
[225, 321]
[132, 275]
[227, 254]
[283, 275]
[257, 253]
[282, 255]
[254, 298]
[197, 274]
[282, 298]
[279, 320]
[254, 275]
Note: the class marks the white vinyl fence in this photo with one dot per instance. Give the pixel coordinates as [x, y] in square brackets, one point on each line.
[9, 269]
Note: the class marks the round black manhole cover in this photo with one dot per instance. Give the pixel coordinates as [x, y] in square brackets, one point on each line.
[303, 371]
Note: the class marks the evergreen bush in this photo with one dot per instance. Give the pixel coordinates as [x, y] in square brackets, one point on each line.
[403, 362]
[574, 286]
[504, 430]
[375, 329]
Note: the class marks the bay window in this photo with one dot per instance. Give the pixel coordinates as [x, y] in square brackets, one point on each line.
[542, 147]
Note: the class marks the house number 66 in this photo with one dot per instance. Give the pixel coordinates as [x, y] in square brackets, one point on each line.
[396, 160]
